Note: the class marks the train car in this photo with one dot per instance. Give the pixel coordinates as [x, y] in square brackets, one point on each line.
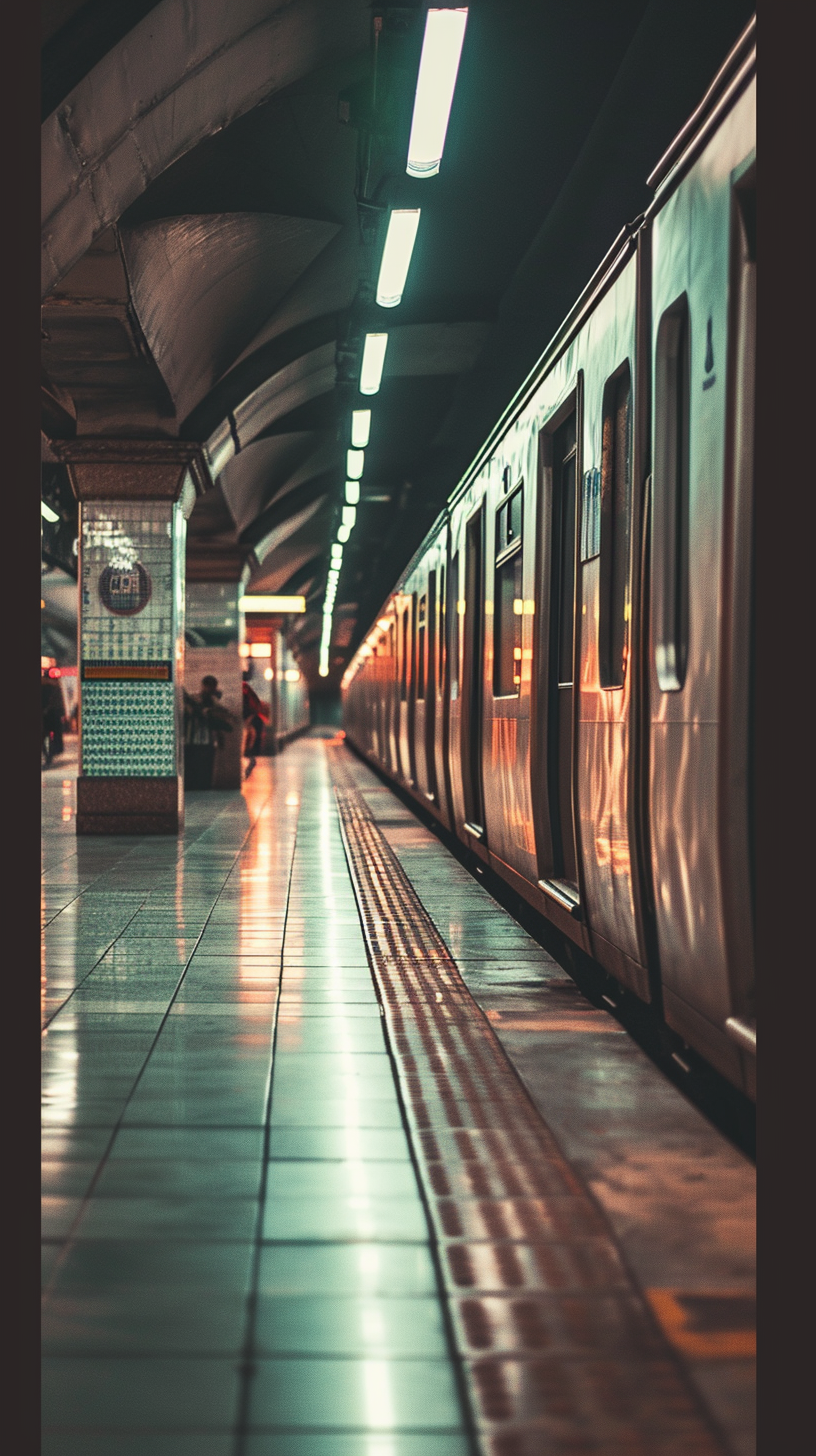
[563, 674]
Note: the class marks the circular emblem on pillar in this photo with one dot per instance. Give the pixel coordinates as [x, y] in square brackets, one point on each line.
[125, 592]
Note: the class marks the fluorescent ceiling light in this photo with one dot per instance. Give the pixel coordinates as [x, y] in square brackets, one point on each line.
[260, 649]
[349, 516]
[373, 360]
[355, 461]
[52, 516]
[272, 604]
[343, 533]
[396, 258]
[353, 492]
[337, 552]
[438, 66]
[360, 428]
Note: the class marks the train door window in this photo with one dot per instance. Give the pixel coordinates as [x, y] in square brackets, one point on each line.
[616, 493]
[404, 658]
[473, 670]
[421, 632]
[508, 605]
[440, 635]
[564, 466]
[453, 625]
[671, 497]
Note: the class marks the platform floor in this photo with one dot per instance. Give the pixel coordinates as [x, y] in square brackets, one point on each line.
[339, 1162]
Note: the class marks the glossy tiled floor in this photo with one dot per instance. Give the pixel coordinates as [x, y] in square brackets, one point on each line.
[236, 1251]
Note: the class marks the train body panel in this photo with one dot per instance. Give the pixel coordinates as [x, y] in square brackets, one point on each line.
[692, 300]
[563, 673]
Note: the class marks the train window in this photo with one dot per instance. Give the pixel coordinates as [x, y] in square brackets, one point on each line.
[507, 592]
[616, 492]
[670, 496]
[440, 636]
[404, 657]
[565, 454]
[453, 625]
[421, 633]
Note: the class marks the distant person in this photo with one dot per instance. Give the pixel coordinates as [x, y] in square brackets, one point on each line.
[256, 716]
[52, 711]
[205, 723]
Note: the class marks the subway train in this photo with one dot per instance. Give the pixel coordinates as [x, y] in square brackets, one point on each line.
[563, 675]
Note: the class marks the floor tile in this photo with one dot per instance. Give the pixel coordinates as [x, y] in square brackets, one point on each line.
[160, 1178]
[97, 1267]
[145, 1443]
[289, 1111]
[134, 1394]
[145, 1319]
[337, 1143]
[213, 1145]
[168, 1217]
[314, 1325]
[360, 1269]
[349, 1217]
[356, 1443]
[335, 1180]
[375, 1394]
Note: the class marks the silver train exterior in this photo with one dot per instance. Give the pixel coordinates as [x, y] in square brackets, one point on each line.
[563, 674]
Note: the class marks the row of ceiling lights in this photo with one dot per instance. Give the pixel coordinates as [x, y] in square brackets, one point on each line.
[436, 81]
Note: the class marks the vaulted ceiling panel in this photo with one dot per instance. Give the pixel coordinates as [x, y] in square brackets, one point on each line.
[253, 477]
[200, 284]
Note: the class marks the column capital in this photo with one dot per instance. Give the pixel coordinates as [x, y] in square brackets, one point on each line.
[101, 468]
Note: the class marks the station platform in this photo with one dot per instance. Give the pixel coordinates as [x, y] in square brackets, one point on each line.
[338, 1161]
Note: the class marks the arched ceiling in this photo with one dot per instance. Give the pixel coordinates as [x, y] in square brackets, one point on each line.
[215, 184]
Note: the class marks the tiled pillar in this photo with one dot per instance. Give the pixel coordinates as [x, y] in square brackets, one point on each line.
[134, 499]
[213, 632]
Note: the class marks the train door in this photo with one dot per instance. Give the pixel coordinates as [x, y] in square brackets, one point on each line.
[430, 691]
[552, 761]
[472, 675]
[391, 689]
[700, 595]
[412, 689]
[402, 691]
[562, 642]
[737, 835]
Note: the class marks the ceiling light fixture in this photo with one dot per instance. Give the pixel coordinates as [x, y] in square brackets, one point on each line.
[373, 359]
[343, 533]
[355, 461]
[438, 67]
[52, 516]
[353, 492]
[396, 258]
[271, 604]
[360, 428]
[350, 516]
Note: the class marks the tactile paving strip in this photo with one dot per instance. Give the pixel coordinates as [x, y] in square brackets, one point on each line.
[559, 1350]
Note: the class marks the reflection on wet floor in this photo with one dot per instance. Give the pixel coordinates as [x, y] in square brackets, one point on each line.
[227, 1176]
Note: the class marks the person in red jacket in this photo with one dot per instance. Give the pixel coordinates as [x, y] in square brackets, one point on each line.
[256, 715]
